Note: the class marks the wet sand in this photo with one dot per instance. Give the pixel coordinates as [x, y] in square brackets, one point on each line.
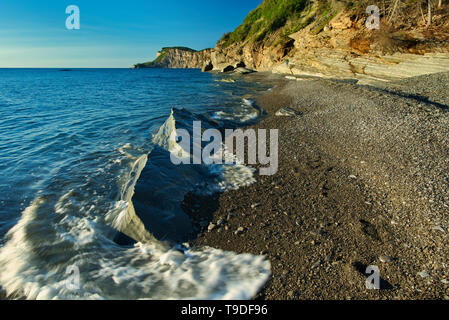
[363, 180]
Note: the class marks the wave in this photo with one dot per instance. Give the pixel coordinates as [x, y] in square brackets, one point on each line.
[78, 228]
[246, 112]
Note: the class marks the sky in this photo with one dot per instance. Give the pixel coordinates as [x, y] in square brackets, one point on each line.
[112, 34]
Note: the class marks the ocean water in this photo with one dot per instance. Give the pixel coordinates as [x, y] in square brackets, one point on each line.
[86, 182]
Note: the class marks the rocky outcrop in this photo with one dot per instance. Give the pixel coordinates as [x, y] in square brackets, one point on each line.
[178, 57]
[344, 48]
[327, 38]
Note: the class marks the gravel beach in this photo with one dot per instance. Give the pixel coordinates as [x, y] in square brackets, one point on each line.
[363, 180]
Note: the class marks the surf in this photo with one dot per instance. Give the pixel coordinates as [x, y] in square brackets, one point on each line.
[81, 227]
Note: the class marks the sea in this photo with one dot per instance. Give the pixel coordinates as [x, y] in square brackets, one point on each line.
[90, 202]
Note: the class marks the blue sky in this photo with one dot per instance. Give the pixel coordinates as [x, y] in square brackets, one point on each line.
[113, 33]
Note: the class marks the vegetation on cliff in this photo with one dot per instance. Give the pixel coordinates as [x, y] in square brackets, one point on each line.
[274, 20]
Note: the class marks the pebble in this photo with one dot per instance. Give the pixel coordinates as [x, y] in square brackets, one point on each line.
[220, 222]
[423, 274]
[438, 228]
[255, 205]
[240, 230]
[352, 177]
[211, 227]
[385, 259]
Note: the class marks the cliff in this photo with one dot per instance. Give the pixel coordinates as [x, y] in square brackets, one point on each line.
[178, 57]
[329, 38]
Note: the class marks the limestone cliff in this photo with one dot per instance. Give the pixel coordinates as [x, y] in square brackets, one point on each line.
[330, 38]
[178, 57]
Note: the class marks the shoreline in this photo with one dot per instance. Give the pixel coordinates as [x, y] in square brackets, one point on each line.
[361, 181]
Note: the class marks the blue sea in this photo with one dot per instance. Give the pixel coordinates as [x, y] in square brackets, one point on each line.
[86, 184]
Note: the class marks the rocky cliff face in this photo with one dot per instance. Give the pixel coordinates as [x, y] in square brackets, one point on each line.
[336, 43]
[178, 57]
[328, 38]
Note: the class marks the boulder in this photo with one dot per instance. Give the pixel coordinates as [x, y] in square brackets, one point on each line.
[241, 70]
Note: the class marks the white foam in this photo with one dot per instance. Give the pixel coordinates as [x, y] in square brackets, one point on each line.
[108, 271]
[73, 229]
[245, 113]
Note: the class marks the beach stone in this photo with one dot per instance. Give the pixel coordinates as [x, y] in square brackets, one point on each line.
[231, 215]
[438, 228]
[240, 230]
[242, 70]
[291, 294]
[211, 227]
[385, 259]
[287, 112]
[352, 176]
[424, 274]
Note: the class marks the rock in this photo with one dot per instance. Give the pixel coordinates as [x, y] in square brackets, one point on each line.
[318, 233]
[231, 215]
[352, 176]
[423, 274]
[220, 222]
[240, 230]
[385, 259]
[438, 228]
[241, 70]
[287, 112]
[211, 227]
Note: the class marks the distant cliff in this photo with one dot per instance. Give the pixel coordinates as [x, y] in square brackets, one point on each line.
[178, 57]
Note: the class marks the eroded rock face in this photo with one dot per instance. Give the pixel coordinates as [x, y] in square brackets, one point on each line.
[343, 49]
[179, 58]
